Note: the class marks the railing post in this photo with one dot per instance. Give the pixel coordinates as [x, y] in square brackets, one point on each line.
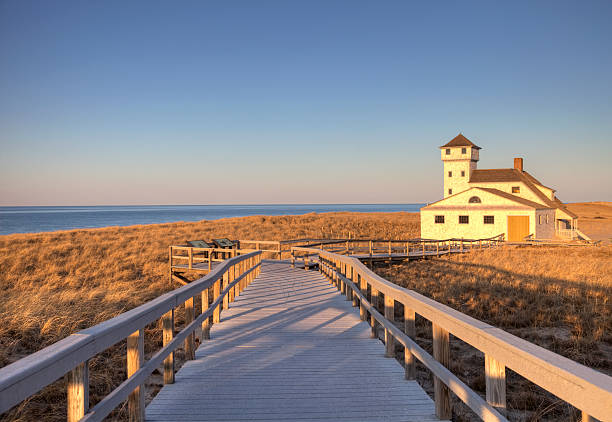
[210, 258]
[306, 267]
[441, 352]
[252, 273]
[240, 268]
[349, 290]
[242, 284]
[217, 310]
[342, 285]
[226, 282]
[353, 278]
[389, 316]
[438, 249]
[495, 381]
[423, 246]
[206, 322]
[190, 255]
[292, 259]
[168, 335]
[78, 392]
[410, 330]
[280, 251]
[363, 314]
[189, 341]
[248, 278]
[374, 302]
[232, 277]
[135, 359]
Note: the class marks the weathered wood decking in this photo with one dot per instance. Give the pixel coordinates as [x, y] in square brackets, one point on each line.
[291, 348]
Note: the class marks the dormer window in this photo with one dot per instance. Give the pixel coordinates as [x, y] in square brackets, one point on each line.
[474, 200]
[463, 150]
[462, 173]
[447, 151]
[516, 189]
[450, 174]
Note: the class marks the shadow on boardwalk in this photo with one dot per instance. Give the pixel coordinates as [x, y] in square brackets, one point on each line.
[291, 348]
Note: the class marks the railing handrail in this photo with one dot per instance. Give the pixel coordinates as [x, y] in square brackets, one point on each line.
[579, 385]
[413, 240]
[30, 374]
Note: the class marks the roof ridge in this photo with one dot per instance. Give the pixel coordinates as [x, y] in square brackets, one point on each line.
[460, 141]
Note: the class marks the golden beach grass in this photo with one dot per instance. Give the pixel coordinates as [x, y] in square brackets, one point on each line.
[54, 284]
[557, 297]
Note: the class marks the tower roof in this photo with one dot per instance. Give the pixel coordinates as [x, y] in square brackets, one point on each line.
[460, 141]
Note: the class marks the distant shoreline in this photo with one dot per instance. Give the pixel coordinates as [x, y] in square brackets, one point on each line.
[23, 220]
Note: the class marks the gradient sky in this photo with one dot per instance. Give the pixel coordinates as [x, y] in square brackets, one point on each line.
[160, 102]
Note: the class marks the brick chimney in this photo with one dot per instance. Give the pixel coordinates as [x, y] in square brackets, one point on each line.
[518, 163]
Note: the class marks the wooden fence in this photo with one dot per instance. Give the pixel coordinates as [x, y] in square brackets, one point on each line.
[70, 356]
[369, 248]
[584, 388]
[282, 248]
[276, 248]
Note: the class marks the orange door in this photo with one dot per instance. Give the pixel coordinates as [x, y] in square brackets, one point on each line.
[518, 227]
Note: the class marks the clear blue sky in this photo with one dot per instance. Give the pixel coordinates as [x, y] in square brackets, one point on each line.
[160, 102]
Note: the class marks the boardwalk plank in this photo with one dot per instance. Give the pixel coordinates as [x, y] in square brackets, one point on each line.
[290, 348]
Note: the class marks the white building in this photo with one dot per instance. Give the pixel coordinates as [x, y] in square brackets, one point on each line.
[479, 204]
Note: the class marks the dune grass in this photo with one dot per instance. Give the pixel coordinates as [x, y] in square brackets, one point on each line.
[54, 284]
[557, 297]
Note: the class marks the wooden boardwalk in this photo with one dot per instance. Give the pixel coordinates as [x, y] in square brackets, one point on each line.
[291, 348]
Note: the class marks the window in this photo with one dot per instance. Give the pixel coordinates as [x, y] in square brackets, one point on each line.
[439, 219]
[516, 189]
[489, 219]
[462, 173]
[450, 191]
[463, 150]
[450, 174]
[547, 219]
[474, 200]
[447, 151]
[541, 219]
[464, 219]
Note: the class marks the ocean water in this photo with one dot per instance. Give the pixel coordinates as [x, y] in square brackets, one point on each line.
[44, 219]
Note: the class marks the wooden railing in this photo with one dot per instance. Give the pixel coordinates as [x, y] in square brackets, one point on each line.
[282, 248]
[584, 388]
[29, 375]
[190, 255]
[414, 247]
[278, 248]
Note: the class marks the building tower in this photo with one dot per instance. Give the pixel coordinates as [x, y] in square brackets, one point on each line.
[460, 156]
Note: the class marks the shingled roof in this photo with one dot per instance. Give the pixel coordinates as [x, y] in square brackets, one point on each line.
[496, 175]
[497, 192]
[515, 175]
[515, 198]
[460, 141]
